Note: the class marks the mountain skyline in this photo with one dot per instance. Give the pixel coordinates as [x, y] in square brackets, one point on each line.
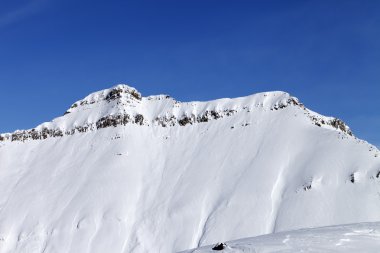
[57, 115]
[144, 126]
[122, 172]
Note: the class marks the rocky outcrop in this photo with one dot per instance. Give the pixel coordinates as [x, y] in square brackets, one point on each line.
[334, 122]
[285, 103]
[114, 121]
[317, 120]
[33, 134]
[164, 121]
[117, 92]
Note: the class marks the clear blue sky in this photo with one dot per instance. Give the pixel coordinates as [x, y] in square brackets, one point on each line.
[326, 53]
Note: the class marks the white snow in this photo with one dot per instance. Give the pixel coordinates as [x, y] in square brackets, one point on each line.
[149, 188]
[353, 238]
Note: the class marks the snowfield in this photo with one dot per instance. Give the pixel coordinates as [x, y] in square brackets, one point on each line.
[123, 173]
[354, 238]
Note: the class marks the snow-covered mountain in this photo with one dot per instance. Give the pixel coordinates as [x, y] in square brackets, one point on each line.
[119, 172]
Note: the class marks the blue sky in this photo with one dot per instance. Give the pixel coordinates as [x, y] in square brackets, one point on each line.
[326, 53]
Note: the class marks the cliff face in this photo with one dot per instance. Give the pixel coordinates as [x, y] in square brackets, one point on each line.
[120, 172]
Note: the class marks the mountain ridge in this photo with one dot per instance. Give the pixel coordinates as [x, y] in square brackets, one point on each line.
[120, 100]
[133, 188]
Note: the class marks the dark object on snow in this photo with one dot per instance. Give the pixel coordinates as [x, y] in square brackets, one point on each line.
[352, 178]
[219, 246]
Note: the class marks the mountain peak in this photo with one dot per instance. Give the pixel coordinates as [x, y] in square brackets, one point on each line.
[121, 92]
[120, 169]
[122, 104]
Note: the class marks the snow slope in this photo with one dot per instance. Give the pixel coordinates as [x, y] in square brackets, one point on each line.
[124, 173]
[353, 238]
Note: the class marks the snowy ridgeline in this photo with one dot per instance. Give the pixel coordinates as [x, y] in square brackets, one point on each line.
[353, 238]
[271, 165]
[122, 105]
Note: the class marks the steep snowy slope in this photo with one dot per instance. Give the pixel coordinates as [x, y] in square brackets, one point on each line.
[124, 173]
[353, 238]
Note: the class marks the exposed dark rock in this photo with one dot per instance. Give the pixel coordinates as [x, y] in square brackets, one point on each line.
[294, 101]
[135, 94]
[219, 246]
[339, 124]
[352, 178]
[166, 121]
[114, 94]
[290, 101]
[202, 118]
[117, 93]
[82, 129]
[184, 121]
[336, 123]
[215, 115]
[139, 119]
[307, 187]
[35, 135]
[17, 136]
[57, 133]
[45, 133]
[229, 112]
[115, 120]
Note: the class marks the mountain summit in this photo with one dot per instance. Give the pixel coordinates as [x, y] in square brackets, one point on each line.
[122, 104]
[119, 172]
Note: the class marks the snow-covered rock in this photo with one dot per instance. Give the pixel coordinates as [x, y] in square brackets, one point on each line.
[123, 105]
[120, 172]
